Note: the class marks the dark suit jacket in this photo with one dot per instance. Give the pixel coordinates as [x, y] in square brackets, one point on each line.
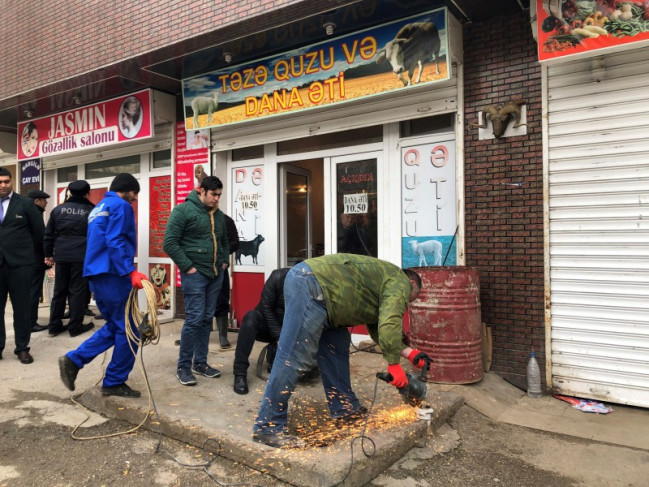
[22, 225]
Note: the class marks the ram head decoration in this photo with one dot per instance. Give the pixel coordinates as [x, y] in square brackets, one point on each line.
[501, 114]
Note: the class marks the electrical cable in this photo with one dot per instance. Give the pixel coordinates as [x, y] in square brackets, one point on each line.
[136, 326]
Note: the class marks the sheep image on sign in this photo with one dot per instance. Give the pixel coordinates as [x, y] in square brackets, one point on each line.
[430, 248]
[413, 45]
[204, 105]
[250, 248]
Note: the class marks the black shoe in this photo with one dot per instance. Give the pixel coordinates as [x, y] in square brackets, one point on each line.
[279, 440]
[69, 371]
[122, 390]
[82, 329]
[240, 384]
[25, 357]
[177, 343]
[66, 315]
[58, 330]
[87, 312]
[36, 328]
[353, 419]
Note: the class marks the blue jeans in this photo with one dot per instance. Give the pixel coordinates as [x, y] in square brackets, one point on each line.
[111, 294]
[306, 336]
[200, 294]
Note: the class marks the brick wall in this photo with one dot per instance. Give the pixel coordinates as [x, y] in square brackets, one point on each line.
[504, 224]
[50, 40]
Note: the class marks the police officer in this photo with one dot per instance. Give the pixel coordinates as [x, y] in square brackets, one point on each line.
[65, 245]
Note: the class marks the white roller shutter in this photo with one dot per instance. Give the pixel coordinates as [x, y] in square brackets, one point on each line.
[598, 182]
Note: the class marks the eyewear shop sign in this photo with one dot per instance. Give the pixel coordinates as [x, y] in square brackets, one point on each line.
[347, 68]
[106, 123]
[429, 218]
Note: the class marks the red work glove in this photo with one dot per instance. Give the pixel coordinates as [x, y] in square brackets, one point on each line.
[399, 379]
[418, 359]
[137, 278]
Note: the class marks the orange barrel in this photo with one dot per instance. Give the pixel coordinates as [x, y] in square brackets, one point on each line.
[445, 322]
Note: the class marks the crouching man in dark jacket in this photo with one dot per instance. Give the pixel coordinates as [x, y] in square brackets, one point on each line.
[263, 323]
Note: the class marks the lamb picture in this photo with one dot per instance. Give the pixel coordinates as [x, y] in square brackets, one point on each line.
[204, 105]
[430, 248]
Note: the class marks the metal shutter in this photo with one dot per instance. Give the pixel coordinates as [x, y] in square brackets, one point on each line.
[598, 182]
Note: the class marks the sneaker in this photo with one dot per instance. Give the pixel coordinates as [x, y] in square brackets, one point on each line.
[68, 370]
[82, 329]
[186, 377]
[122, 390]
[206, 370]
[279, 440]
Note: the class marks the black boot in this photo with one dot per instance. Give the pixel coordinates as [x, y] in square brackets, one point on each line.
[222, 324]
[240, 384]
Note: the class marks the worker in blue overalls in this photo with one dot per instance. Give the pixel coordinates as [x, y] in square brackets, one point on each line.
[109, 267]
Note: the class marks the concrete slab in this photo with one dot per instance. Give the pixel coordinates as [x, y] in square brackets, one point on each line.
[501, 401]
[212, 416]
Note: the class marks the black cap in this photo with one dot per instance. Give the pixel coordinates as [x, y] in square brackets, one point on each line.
[37, 193]
[79, 188]
[125, 182]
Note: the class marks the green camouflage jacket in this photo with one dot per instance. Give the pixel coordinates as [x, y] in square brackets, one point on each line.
[364, 290]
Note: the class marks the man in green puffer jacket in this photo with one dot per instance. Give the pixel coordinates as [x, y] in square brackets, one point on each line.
[195, 239]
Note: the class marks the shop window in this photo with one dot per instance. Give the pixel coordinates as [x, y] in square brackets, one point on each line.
[366, 135]
[248, 153]
[66, 174]
[111, 167]
[427, 125]
[161, 159]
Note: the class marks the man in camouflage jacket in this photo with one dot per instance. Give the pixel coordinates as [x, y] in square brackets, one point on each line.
[323, 296]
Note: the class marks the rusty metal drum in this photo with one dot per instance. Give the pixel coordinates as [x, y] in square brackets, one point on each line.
[445, 322]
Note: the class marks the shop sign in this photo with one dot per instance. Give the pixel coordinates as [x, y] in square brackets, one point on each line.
[110, 122]
[192, 161]
[30, 172]
[246, 205]
[582, 28]
[428, 206]
[354, 66]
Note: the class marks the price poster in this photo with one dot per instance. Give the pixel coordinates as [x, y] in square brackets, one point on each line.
[247, 203]
[355, 203]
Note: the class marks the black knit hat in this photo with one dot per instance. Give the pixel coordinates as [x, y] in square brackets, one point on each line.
[79, 188]
[124, 182]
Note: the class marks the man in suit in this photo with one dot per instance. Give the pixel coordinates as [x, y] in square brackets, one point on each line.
[20, 225]
[38, 275]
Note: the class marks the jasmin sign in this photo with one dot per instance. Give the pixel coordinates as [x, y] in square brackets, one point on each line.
[122, 119]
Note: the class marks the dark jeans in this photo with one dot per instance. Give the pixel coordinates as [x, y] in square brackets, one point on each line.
[253, 327]
[223, 299]
[70, 286]
[200, 295]
[36, 290]
[13, 281]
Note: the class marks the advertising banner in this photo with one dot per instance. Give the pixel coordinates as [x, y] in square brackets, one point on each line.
[102, 124]
[582, 28]
[192, 160]
[247, 203]
[30, 172]
[354, 66]
[159, 211]
[429, 218]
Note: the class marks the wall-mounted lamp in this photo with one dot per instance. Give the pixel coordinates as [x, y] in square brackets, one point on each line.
[29, 111]
[329, 27]
[77, 98]
[227, 55]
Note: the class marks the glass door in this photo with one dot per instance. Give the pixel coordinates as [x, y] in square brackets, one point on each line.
[295, 211]
[355, 204]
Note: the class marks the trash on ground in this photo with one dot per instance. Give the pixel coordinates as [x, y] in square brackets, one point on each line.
[586, 405]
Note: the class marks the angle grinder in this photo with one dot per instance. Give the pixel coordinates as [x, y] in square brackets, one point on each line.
[414, 393]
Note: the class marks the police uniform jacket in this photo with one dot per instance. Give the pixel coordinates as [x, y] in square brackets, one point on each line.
[65, 234]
